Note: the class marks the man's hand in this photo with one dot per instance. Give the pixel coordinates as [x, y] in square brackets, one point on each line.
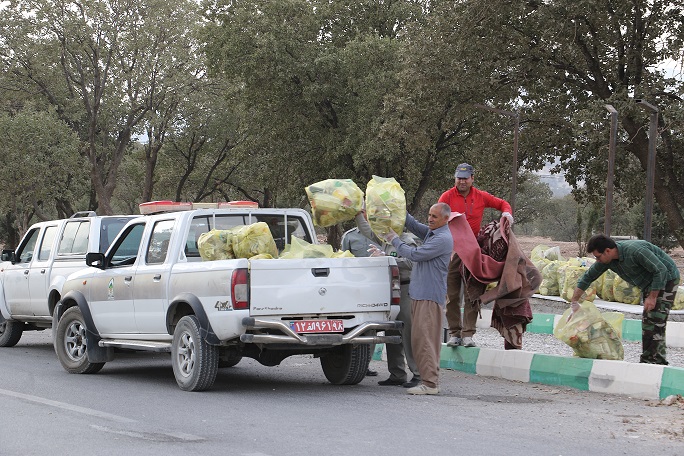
[649, 303]
[375, 251]
[575, 306]
[508, 216]
[389, 236]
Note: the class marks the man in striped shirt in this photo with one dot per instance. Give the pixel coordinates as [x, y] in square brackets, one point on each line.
[646, 266]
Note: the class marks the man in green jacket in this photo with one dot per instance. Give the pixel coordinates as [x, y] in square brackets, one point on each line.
[646, 266]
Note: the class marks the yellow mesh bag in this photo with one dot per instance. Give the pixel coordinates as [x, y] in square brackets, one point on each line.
[589, 334]
[606, 290]
[254, 239]
[549, 284]
[679, 299]
[385, 205]
[625, 292]
[216, 245]
[298, 248]
[334, 201]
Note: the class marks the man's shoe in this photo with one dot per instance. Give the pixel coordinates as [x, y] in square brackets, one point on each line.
[391, 382]
[371, 373]
[415, 381]
[422, 389]
[468, 342]
[454, 341]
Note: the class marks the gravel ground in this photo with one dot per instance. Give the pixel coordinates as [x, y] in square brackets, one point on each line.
[548, 344]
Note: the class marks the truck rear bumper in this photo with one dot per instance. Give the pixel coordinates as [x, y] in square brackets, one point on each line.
[355, 336]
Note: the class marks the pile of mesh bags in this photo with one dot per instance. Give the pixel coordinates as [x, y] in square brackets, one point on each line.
[559, 278]
[243, 241]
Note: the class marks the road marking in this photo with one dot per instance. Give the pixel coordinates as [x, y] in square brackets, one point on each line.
[153, 436]
[105, 415]
[65, 406]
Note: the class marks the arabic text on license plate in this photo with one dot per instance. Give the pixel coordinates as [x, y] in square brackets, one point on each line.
[317, 326]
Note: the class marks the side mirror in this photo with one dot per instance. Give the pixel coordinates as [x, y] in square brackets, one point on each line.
[95, 260]
[7, 255]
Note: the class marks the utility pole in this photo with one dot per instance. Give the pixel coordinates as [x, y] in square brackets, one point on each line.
[516, 133]
[650, 168]
[611, 169]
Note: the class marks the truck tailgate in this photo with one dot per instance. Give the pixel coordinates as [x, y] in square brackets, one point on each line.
[320, 286]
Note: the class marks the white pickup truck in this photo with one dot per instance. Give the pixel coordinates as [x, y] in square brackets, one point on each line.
[152, 291]
[32, 275]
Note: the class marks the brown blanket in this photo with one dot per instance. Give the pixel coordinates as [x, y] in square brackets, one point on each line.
[518, 279]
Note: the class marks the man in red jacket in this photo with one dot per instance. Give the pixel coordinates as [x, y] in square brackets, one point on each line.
[471, 201]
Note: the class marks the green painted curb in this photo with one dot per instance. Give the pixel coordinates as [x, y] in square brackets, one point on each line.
[459, 358]
[557, 370]
[672, 382]
[631, 330]
[541, 323]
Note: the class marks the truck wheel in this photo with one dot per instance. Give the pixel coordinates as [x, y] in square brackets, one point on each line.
[347, 365]
[70, 344]
[195, 362]
[10, 333]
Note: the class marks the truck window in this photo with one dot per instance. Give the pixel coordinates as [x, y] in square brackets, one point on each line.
[126, 250]
[281, 228]
[75, 238]
[159, 242]
[204, 224]
[25, 251]
[47, 242]
[111, 226]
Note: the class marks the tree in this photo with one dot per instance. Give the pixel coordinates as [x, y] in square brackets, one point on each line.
[104, 65]
[569, 58]
[42, 165]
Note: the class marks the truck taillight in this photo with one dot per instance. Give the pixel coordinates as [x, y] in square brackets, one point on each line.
[396, 284]
[239, 289]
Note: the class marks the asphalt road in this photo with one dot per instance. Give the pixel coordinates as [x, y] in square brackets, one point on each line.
[134, 407]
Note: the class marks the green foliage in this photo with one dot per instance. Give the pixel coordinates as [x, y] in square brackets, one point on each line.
[42, 168]
[297, 91]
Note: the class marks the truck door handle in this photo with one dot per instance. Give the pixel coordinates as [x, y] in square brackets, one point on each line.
[320, 272]
[26, 271]
[128, 278]
[157, 278]
[42, 271]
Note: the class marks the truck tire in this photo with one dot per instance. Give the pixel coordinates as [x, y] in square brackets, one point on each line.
[10, 333]
[347, 365]
[71, 346]
[195, 362]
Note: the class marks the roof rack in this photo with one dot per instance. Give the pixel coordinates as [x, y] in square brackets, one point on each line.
[84, 214]
[154, 207]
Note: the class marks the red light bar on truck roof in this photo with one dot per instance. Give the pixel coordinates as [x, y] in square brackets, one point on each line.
[154, 207]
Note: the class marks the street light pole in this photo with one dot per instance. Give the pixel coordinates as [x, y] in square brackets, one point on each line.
[516, 133]
[611, 169]
[650, 168]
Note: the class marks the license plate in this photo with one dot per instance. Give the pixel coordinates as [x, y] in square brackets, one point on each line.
[317, 326]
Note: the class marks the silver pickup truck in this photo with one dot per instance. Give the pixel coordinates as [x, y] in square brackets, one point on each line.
[32, 275]
[152, 291]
